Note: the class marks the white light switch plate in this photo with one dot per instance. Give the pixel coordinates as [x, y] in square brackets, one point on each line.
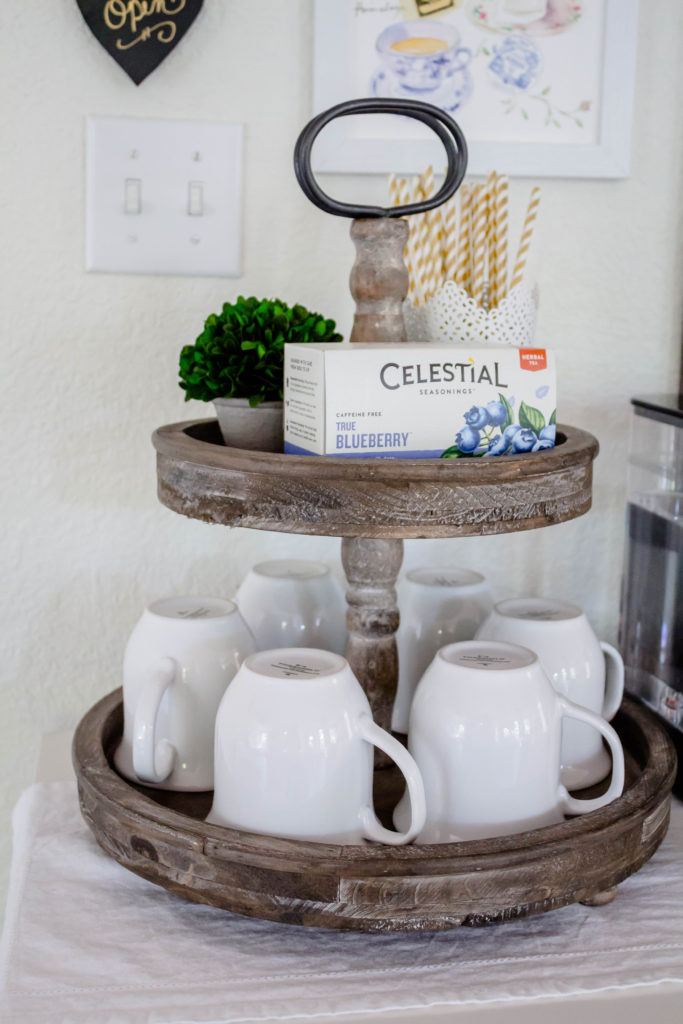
[184, 177]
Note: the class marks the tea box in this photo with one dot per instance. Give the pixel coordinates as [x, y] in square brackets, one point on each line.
[418, 401]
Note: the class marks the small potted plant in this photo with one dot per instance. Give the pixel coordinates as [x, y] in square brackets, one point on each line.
[236, 363]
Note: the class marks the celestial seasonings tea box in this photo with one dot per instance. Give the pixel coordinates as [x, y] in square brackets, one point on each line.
[418, 401]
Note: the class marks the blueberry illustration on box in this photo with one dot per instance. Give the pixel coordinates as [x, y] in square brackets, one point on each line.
[493, 430]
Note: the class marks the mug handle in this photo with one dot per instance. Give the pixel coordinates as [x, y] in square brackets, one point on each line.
[152, 762]
[569, 803]
[372, 828]
[614, 682]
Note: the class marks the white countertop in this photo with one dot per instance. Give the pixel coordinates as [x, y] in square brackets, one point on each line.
[659, 1003]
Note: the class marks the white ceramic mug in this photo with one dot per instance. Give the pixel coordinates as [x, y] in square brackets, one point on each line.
[294, 602]
[438, 607]
[485, 732]
[584, 669]
[294, 752]
[179, 660]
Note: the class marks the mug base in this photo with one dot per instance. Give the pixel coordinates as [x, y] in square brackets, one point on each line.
[335, 839]
[587, 773]
[123, 762]
[444, 833]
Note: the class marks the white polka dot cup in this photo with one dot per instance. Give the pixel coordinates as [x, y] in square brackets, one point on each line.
[584, 669]
[179, 660]
[294, 602]
[294, 753]
[485, 731]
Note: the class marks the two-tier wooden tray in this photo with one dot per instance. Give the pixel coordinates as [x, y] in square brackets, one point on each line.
[373, 505]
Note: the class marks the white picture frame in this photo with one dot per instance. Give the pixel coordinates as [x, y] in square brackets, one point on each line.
[340, 148]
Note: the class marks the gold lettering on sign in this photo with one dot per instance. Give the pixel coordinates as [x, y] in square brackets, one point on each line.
[166, 30]
[119, 14]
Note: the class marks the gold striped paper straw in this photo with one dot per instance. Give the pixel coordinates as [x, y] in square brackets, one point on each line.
[449, 241]
[425, 240]
[462, 262]
[525, 240]
[478, 238]
[500, 213]
[427, 182]
[491, 238]
[403, 197]
[432, 241]
[394, 190]
[485, 299]
[403, 193]
[435, 263]
[418, 239]
[412, 243]
[470, 242]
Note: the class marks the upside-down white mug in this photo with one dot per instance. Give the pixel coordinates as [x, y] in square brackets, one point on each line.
[485, 731]
[294, 602]
[294, 752]
[438, 607]
[179, 660]
[584, 669]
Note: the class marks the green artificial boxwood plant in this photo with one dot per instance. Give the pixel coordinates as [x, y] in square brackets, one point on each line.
[240, 352]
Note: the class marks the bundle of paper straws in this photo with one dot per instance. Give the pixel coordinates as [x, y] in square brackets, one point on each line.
[467, 245]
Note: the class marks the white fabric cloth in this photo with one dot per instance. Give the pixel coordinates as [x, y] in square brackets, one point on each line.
[87, 942]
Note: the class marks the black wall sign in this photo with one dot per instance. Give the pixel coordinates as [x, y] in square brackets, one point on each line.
[139, 34]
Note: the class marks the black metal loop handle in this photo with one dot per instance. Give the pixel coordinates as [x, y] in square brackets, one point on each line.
[438, 120]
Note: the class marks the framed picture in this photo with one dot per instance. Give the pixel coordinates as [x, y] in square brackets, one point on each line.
[539, 87]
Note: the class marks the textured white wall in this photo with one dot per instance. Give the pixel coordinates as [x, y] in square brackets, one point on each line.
[89, 361]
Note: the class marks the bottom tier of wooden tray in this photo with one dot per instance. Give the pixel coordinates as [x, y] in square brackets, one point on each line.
[162, 836]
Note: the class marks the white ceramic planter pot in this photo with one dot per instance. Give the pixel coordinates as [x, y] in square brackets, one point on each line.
[259, 428]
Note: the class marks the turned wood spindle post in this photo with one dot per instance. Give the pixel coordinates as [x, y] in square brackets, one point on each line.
[371, 568]
[379, 284]
[379, 280]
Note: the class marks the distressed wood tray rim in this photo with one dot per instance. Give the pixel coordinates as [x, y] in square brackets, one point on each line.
[112, 800]
[200, 442]
[381, 498]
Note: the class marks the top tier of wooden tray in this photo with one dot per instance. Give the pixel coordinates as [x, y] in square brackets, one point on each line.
[200, 477]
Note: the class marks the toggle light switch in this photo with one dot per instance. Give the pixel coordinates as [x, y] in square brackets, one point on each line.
[195, 198]
[132, 196]
[125, 235]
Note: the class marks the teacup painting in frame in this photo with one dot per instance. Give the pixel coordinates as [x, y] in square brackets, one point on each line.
[540, 87]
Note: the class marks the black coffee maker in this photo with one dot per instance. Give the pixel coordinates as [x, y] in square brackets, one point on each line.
[651, 626]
